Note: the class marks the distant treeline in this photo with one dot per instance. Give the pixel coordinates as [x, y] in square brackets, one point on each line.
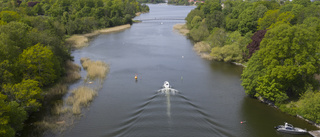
[32, 49]
[151, 1]
[278, 41]
[179, 2]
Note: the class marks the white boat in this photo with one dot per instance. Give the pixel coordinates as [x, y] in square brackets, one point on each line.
[166, 84]
[288, 128]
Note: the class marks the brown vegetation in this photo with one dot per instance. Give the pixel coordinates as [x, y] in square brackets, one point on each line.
[181, 28]
[81, 97]
[80, 41]
[203, 49]
[95, 69]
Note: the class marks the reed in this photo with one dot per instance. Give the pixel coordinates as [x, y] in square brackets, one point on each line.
[81, 96]
[203, 50]
[181, 28]
[95, 69]
[77, 41]
[73, 72]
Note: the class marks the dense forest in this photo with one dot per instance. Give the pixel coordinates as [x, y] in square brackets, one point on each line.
[33, 51]
[179, 2]
[278, 43]
[151, 1]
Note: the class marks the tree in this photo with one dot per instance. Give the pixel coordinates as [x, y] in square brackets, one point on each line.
[17, 35]
[268, 19]
[248, 21]
[256, 39]
[9, 16]
[302, 2]
[196, 22]
[26, 94]
[191, 15]
[285, 64]
[216, 19]
[5, 129]
[283, 18]
[11, 117]
[200, 33]
[37, 63]
[227, 53]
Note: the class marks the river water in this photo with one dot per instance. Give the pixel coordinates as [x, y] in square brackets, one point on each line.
[210, 100]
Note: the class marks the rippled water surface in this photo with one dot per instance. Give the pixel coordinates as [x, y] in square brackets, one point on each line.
[210, 101]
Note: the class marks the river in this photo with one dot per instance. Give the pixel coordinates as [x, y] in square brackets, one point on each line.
[210, 99]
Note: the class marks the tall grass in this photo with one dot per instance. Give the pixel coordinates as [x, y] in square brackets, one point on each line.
[95, 69]
[182, 28]
[72, 72]
[81, 96]
[203, 49]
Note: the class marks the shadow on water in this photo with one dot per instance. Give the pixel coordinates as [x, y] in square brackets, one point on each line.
[162, 115]
[254, 112]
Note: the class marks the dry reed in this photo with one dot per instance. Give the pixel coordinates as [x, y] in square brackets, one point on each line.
[73, 72]
[77, 41]
[95, 69]
[181, 28]
[203, 50]
[81, 97]
[80, 41]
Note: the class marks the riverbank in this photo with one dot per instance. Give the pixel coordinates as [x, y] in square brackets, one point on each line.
[79, 41]
[203, 49]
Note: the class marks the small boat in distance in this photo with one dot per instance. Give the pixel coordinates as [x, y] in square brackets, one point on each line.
[166, 84]
[288, 128]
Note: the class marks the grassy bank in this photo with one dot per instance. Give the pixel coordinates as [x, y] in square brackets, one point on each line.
[95, 69]
[79, 41]
[181, 28]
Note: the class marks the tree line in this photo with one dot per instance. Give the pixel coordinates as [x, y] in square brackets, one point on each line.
[33, 51]
[278, 41]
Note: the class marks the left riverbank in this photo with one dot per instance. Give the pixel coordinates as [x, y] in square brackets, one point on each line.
[64, 105]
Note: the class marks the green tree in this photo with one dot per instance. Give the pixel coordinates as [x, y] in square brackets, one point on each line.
[302, 2]
[37, 63]
[283, 18]
[248, 21]
[191, 15]
[16, 35]
[269, 18]
[12, 117]
[9, 16]
[287, 61]
[196, 22]
[200, 33]
[216, 19]
[5, 128]
[26, 94]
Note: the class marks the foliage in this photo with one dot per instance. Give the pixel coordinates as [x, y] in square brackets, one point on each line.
[268, 19]
[288, 59]
[151, 1]
[26, 93]
[179, 2]
[38, 63]
[200, 33]
[32, 49]
[310, 106]
[283, 54]
[255, 44]
[191, 15]
[227, 53]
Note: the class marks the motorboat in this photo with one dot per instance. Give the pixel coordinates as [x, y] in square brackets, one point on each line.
[288, 128]
[166, 84]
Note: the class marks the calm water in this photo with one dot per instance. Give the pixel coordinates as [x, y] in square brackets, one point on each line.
[210, 102]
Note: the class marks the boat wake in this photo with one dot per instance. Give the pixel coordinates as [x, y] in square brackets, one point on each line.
[167, 89]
